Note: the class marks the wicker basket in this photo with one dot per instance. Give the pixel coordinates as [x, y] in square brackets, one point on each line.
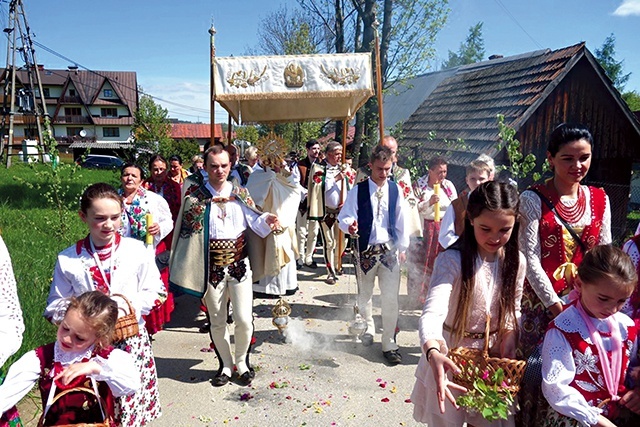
[473, 363]
[127, 325]
[107, 422]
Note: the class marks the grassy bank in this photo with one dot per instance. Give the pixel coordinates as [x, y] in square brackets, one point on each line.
[35, 230]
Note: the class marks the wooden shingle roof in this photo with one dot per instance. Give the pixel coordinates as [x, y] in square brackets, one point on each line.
[465, 105]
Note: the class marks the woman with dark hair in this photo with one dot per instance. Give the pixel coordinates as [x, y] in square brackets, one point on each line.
[160, 184]
[176, 172]
[561, 220]
[137, 204]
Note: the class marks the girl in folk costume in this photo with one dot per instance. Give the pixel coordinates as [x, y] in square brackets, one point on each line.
[11, 326]
[138, 205]
[587, 348]
[435, 194]
[81, 356]
[477, 280]
[561, 220]
[112, 264]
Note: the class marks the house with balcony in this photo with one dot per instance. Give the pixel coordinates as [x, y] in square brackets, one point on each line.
[89, 110]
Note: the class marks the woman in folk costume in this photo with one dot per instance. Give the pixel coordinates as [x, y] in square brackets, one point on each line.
[276, 190]
[160, 183]
[138, 204]
[561, 220]
[80, 363]
[435, 193]
[11, 325]
[112, 264]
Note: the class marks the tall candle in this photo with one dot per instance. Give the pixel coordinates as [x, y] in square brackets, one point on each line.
[436, 205]
[149, 237]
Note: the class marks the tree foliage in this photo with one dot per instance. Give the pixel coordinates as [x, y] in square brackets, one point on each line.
[470, 51]
[632, 99]
[613, 68]
[151, 129]
[290, 32]
[247, 133]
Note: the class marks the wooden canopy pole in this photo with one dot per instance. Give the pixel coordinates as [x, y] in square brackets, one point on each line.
[212, 32]
[379, 84]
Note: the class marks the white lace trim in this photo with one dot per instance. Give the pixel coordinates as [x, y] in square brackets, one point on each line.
[66, 358]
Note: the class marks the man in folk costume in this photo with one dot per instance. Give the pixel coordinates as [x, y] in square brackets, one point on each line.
[377, 212]
[239, 171]
[307, 228]
[209, 259]
[328, 186]
[401, 177]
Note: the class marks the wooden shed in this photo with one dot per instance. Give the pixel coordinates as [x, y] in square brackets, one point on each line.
[535, 92]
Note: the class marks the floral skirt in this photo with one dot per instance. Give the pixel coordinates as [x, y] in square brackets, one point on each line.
[142, 407]
[10, 418]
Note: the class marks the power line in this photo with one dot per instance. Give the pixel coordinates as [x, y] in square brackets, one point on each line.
[513, 18]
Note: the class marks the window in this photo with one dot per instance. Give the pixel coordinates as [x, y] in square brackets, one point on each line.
[47, 93]
[109, 112]
[110, 132]
[72, 111]
[72, 92]
[30, 133]
[73, 131]
[107, 93]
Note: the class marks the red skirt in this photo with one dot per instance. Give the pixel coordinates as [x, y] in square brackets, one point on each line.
[158, 316]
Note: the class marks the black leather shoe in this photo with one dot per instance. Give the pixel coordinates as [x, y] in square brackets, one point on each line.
[313, 265]
[220, 379]
[330, 280]
[245, 379]
[204, 329]
[392, 356]
[367, 340]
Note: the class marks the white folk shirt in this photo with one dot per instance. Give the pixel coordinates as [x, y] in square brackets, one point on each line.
[424, 193]
[11, 324]
[379, 233]
[332, 188]
[232, 220]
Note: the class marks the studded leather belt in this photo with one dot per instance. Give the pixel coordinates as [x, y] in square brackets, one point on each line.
[223, 252]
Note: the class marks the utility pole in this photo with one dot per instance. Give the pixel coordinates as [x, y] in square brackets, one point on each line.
[19, 43]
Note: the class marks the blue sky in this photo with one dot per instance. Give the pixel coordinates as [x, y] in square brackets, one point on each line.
[167, 43]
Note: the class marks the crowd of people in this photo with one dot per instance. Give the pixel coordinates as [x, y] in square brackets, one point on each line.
[530, 276]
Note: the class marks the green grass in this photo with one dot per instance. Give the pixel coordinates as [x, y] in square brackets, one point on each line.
[31, 228]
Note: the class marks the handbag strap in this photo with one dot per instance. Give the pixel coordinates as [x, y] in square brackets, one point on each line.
[562, 220]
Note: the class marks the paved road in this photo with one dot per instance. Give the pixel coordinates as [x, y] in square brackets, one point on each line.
[321, 378]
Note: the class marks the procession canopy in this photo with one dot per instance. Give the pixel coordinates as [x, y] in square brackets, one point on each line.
[293, 88]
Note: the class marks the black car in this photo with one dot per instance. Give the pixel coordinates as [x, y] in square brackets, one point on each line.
[99, 161]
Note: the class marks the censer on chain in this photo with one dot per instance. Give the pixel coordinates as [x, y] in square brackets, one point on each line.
[358, 325]
[280, 312]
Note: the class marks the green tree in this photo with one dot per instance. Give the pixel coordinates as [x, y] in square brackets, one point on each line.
[151, 129]
[247, 133]
[632, 99]
[613, 68]
[470, 51]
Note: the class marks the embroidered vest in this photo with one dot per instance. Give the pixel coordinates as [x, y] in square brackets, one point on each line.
[552, 249]
[583, 381]
[365, 213]
[73, 408]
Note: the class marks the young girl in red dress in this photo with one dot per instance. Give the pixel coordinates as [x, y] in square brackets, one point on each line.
[82, 357]
[587, 348]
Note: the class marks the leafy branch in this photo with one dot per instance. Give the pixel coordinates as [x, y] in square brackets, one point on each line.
[520, 166]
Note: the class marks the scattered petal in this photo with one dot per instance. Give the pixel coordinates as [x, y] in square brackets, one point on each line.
[384, 399]
[407, 401]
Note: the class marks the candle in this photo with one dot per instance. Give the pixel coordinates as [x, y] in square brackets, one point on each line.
[436, 205]
[149, 237]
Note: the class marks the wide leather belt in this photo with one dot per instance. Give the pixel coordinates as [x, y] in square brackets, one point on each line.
[223, 252]
[376, 249]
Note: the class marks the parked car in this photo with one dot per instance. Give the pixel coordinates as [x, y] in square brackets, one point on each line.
[99, 161]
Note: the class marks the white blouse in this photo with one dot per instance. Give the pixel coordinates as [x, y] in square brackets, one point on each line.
[11, 323]
[424, 192]
[154, 204]
[118, 371]
[135, 276]
[560, 363]
[531, 212]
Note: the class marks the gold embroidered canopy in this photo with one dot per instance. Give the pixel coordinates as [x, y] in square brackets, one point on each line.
[293, 88]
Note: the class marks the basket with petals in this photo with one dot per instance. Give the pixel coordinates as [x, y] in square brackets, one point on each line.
[126, 325]
[476, 363]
